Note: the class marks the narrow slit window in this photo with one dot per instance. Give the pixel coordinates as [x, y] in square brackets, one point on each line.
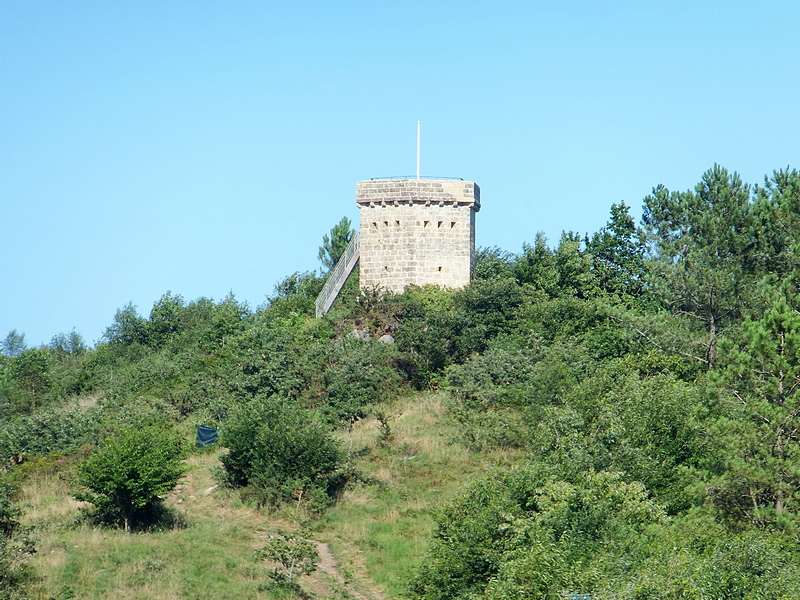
[426, 223]
[397, 223]
[452, 224]
[440, 223]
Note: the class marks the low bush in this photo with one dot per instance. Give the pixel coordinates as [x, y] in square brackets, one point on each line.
[47, 432]
[279, 451]
[360, 374]
[125, 477]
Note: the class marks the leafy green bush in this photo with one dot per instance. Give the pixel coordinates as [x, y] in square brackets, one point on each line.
[295, 295]
[49, 431]
[294, 556]
[439, 327]
[605, 417]
[487, 309]
[265, 362]
[8, 511]
[278, 450]
[487, 394]
[527, 534]
[694, 556]
[495, 378]
[425, 336]
[128, 471]
[154, 374]
[360, 373]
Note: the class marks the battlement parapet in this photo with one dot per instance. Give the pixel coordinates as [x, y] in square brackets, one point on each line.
[425, 192]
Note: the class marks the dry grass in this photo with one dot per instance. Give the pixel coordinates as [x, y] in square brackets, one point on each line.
[46, 499]
[88, 401]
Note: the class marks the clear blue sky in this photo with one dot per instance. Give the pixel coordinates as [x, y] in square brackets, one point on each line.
[205, 147]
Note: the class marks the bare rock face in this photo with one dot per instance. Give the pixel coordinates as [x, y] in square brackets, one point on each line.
[360, 334]
[386, 339]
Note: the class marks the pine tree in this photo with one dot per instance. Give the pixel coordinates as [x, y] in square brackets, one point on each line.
[334, 245]
[703, 241]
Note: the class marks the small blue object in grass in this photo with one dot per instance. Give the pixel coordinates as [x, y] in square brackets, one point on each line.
[206, 435]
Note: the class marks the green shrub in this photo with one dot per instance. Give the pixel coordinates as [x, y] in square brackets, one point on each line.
[49, 431]
[293, 555]
[428, 340]
[295, 295]
[278, 450]
[360, 374]
[128, 471]
[528, 533]
[495, 378]
[265, 362]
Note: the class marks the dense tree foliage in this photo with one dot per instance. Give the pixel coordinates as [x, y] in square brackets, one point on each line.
[529, 533]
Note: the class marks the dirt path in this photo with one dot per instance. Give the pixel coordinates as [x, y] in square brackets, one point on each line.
[327, 563]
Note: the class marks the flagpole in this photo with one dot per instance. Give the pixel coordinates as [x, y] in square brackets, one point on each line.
[417, 149]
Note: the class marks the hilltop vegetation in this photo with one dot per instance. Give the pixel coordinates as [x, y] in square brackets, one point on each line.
[614, 415]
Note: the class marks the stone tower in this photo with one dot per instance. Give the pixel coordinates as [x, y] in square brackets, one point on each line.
[417, 231]
[413, 232]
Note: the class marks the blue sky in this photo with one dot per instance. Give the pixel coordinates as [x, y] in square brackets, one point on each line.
[204, 148]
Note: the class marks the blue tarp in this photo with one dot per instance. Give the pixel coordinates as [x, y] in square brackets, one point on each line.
[206, 435]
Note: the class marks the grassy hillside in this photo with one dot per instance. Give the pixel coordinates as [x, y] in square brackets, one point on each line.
[375, 534]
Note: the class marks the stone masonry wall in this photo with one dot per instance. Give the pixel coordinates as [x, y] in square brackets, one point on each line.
[417, 232]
